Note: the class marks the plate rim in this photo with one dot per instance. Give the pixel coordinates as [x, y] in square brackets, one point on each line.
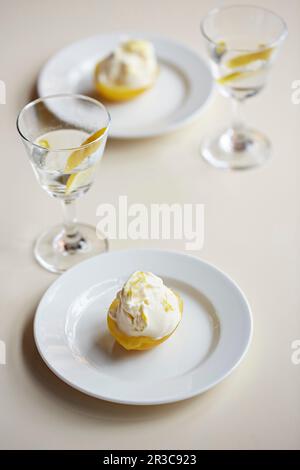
[161, 401]
[169, 128]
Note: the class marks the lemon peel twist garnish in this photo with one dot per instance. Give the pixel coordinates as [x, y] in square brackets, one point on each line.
[246, 59]
[44, 143]
[78, 179]
[220, 48]
[231, 77]
[77, 157]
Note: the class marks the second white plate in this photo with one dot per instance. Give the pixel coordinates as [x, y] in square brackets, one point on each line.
[179, 96]
[72, 337]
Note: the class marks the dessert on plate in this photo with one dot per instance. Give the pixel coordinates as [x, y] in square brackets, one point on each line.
[144, 313]
[127, 72]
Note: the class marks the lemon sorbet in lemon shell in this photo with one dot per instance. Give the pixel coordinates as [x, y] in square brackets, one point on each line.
[144, 313]
[130, 70]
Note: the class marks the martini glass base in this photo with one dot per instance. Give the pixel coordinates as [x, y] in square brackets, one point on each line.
[235, 150]
[54, 253]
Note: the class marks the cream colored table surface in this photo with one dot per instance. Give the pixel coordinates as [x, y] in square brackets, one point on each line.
[251, 231]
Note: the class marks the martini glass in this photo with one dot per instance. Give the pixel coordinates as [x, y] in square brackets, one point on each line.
[242, 43]
[65, 136]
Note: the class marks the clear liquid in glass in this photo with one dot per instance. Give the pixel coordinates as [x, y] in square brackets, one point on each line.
[50, 165]
[239, 70]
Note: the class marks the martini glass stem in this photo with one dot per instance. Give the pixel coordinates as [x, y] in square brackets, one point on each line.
[238, 117]
[236, 139]
[72, 235]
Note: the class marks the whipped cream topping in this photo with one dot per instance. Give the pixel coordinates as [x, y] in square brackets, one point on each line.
[146, 307]
[132, 64]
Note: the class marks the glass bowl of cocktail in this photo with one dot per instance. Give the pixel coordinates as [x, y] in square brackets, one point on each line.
[242, 43]
[65, 137]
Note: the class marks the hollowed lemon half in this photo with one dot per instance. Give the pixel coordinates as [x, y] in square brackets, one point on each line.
[116, 92]
[138, 343]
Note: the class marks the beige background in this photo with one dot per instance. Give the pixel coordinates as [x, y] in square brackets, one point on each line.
[251, 231]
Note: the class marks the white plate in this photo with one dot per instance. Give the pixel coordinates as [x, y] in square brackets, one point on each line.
[72, 337]
[182, 89]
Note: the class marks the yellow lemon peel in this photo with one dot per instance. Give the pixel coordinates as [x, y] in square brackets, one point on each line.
[145, 318]
[44, 143]
[167, 306]
[78, 179]
[220, 48]
[77, 157]
[246, 59]
[136, 46]
[231, 77]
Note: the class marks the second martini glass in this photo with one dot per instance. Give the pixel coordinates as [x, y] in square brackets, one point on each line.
[242, 43]
[65, 137]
